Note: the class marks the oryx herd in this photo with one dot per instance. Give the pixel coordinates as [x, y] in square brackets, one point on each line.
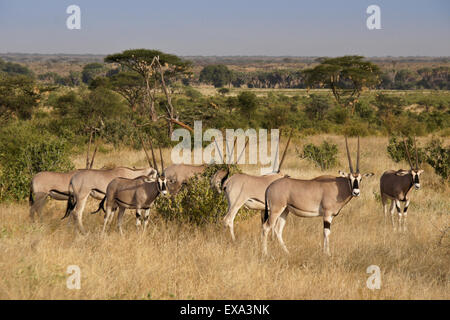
[275, 195]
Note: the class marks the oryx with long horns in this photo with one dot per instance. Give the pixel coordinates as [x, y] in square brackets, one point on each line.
[243, 189]
[395, 185]
[93, 183]
[138, 193]
[323, 196]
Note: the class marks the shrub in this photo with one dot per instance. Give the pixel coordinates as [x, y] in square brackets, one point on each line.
[323, 156]
[197, 202]
[396, 150]
[438, 157]
[23, 153]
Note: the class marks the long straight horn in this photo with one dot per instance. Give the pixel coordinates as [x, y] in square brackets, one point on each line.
[153, 155]
[243, 150]
[162, 161]
[285, 150]
[348, 156]
[232, 150]
[93, 156]
[89, 150]
[417, 157]
[407, 153]
[218, 150]
[357, 158]
[145, 150]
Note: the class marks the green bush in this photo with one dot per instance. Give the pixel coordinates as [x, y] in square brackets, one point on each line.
[197, 202]
[323, 156]
[438, 157]
[25, 152]
[396, 150]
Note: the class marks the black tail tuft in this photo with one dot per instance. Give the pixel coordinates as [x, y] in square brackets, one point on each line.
[70, 206]
[101, 206]
[266, 210]
[30, 198]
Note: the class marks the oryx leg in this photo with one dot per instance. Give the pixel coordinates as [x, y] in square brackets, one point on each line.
[327, 218]
[384, 202]
[138, 219]
[399, 212]
[108, 217]
[274, 213]
[119, 219]
[40, 199]
[279, 226]
[392, 210]
[405, 214]
[78, 212]
[146, 218]
[234, 204]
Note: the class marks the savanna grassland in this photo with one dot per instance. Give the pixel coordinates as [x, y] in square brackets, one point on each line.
[182, 261]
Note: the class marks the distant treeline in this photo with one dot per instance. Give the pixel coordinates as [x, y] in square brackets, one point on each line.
[403, 79]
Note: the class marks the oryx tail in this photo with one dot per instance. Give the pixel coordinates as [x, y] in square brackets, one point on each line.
[101, 206]
[71, 203]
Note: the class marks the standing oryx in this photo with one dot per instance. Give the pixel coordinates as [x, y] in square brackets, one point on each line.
[53, 184]
[138, 193]
[93, 183]
[243, 189]
[322, 196]
[48, 184]
[395, 185]
[178, 174]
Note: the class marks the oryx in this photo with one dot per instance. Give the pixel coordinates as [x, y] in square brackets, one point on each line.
[48, 184]
[177, 175]
[93, 183]
[53, 184]
[322, 196]
[243, 189]
[395, 185]
[138, 193]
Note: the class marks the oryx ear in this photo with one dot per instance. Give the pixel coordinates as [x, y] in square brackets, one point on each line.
[402, 173]
[420, 171]
[342, 174]
[367, 175]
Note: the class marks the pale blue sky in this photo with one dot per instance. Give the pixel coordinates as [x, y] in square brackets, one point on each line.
[231, 27]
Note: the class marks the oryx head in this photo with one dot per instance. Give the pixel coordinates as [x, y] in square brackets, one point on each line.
[161, 181]
[354, 177]
[415, 172]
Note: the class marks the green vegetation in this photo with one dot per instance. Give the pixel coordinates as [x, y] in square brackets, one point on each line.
[25, 151]
[323, 156]
[197, 202]
[434, 153]
[50, 115]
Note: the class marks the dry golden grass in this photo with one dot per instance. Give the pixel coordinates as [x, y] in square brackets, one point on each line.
[174, 261]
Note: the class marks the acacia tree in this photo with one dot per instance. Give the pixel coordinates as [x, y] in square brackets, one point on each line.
[130, 86]
[346, 76]
[143, 62]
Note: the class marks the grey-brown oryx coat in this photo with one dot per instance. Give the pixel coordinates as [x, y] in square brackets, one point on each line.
[323, 196]
[242, 190]
[395, 186]
[48, 184]
[178, 174]
[138, 193]
[93, 183]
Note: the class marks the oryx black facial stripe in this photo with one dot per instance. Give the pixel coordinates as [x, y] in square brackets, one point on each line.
[355, 184]
[416, 179]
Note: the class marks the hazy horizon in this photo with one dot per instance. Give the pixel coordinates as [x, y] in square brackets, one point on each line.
[234, 28]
